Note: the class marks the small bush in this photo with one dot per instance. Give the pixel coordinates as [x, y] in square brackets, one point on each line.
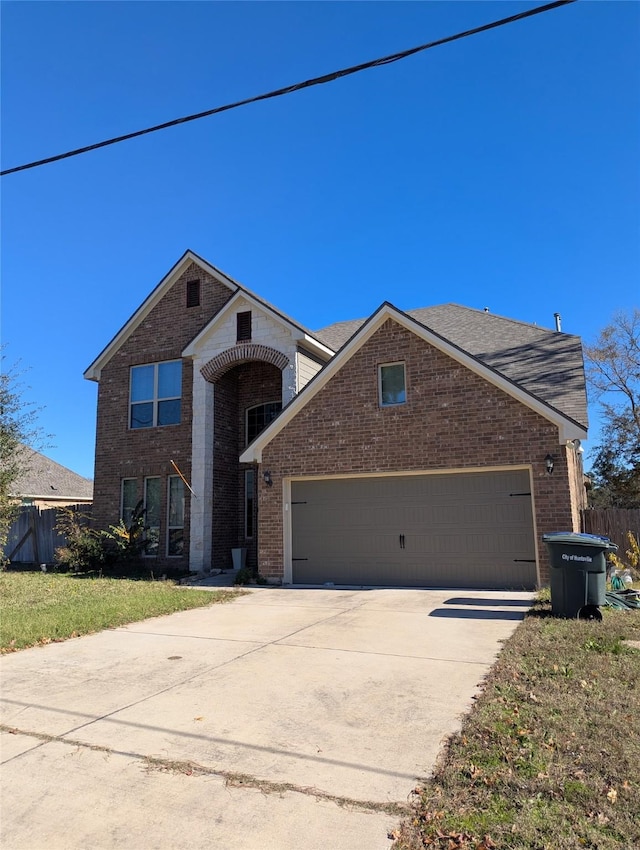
[126, 544]
[243, 576]
[246, 575]
[88, 549]
[84, 548]
[632, 562]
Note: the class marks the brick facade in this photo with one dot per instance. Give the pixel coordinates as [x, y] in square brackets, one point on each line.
[452, 419]
[122, 452]
[237, 390]
[243, 376]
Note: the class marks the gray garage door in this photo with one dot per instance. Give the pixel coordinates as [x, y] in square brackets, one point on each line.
[461, 530]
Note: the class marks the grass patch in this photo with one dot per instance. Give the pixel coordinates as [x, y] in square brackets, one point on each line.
[38, 608]
[548, 757]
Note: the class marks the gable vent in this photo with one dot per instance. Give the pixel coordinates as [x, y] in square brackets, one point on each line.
[193, 293]
[243, 326]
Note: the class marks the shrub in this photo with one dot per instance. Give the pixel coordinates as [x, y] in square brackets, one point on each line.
[633, 558]
[245, 575]
[126, 544]
[88, 549]
[84, 548]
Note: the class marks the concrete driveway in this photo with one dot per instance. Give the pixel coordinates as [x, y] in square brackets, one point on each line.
[290, 718]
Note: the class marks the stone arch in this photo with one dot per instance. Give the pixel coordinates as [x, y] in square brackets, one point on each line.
[222, 363]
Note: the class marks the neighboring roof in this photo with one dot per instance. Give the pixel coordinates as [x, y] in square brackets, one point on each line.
[546, 363]
[46, 479]
[92, 373]
[569, 428]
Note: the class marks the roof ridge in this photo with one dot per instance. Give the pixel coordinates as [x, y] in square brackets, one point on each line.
[474, 310]
[480, 312]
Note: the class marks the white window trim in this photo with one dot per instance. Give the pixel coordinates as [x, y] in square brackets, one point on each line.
[155, 400]
[170, 528]
[152, 478]
[381, 366]
[248, 472]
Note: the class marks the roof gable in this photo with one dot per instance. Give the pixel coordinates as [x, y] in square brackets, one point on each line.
[92, 373]
[244, 298]
[546, 363]
[306, 337]
[569, 428]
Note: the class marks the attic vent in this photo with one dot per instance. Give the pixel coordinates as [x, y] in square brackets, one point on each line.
[193, 293]
[243, 326]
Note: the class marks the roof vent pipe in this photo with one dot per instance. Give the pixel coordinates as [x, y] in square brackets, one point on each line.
[558, 319]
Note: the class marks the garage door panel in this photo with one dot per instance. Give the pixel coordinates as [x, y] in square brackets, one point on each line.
[465, 529]
[419, 573]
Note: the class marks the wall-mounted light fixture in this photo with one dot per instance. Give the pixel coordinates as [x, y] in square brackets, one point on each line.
[549, 463]
[577, 445]
[266, 477]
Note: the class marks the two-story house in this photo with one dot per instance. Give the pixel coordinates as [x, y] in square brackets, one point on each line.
[421, 448]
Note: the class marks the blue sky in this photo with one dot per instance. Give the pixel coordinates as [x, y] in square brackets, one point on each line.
[500, 171]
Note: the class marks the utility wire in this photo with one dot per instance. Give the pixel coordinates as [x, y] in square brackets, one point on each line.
[315, 81]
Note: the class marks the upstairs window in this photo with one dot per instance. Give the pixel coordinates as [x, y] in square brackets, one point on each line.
[260, 416]
[193, 293]
[392, 384]
[156, 390]
[243, 326]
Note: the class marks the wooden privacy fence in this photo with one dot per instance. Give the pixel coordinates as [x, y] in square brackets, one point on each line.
[614, 523]
[33, 538]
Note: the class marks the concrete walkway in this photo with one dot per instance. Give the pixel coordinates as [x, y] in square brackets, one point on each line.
[289, 718]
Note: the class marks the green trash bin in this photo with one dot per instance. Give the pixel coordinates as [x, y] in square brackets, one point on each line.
[578, 573]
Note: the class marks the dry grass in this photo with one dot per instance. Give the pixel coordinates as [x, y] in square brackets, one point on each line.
[549, 756]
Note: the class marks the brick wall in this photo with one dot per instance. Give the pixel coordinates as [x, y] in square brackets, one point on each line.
[225, 470]
[258, 383]
[453, 419]
[242, 387]
[124, 453]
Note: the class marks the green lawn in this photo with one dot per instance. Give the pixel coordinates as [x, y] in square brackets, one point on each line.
[549, 756]
[38, 608]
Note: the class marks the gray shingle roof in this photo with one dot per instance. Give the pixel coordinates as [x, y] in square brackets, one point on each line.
[546, 363]
[46, 479]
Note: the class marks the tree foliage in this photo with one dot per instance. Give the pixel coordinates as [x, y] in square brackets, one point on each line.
[613, 372]
[17, 429]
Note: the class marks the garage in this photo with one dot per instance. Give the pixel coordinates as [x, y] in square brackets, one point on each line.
[467, 529]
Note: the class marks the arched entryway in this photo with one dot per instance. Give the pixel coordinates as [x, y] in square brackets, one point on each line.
[247, 394]
[248, 353]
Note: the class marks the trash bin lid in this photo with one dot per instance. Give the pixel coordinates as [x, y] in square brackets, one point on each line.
[576, 538]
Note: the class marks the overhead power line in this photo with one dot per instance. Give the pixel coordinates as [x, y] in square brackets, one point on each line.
[315, 81]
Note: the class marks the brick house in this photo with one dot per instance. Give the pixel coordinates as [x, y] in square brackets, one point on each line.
[422, 448]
